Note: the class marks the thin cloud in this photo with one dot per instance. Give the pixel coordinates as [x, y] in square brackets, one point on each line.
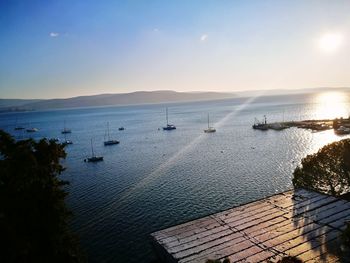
[204, 37]
[54, 34]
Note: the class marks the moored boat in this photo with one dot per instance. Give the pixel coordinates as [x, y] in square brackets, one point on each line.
[65, 129]
[94, 158]
[109, 141]
[209, 129]
[32, 130]
[342, 130]
[261, 125]
[168, 126]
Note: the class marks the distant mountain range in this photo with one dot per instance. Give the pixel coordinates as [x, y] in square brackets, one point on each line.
[140, 97]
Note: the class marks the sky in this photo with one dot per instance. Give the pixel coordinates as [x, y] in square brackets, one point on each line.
[65, 48]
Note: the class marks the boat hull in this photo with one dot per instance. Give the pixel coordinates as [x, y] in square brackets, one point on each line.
[94, 159]
[32, 130]
[112, 142]
[169, 127]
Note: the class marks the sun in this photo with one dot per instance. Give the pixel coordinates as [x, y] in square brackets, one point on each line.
[330, 42]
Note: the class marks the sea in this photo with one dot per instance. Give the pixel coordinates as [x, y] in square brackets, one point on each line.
[155, 179]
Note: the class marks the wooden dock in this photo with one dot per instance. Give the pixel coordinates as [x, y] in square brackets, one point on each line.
[299, 223]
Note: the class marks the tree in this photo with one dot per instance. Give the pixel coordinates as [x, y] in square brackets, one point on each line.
[326, 171]
[33, 214]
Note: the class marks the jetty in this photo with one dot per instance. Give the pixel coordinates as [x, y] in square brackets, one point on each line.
[314, 125]
[298, 223]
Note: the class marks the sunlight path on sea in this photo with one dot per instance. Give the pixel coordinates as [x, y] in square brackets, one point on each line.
[160, 169]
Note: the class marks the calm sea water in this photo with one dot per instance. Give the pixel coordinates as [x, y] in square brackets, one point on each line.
[154, 178]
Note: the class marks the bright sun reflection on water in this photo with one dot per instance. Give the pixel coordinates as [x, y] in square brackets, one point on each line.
[331, 105]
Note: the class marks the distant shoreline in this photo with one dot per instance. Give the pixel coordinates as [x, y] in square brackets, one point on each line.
[142, 98]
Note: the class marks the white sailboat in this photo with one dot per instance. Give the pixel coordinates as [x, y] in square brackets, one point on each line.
[109, 141]
[94, 158]
[209, 129]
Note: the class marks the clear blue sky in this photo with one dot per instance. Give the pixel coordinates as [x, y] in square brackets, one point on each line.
[68, 48]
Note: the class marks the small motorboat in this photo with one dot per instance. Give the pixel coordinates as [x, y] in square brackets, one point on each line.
[121, 128]
[32, 130]
[67, 142]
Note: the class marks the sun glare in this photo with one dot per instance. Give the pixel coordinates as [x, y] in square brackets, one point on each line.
[331, 105]
[330, 42]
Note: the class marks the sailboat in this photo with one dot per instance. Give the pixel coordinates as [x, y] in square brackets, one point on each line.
[109, 141]
[65, 130]
[168, 126]
[210, 129]
[17, 128]
[93, 157]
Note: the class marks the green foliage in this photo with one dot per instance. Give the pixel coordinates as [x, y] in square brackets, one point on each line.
[326, 171]
[33, 214]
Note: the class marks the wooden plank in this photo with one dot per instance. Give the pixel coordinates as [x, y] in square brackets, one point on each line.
[316, 205]
[221, 251]
[204, 240]
[311, 250]
[292, 223]
[210, 229]
[198, 239]
[212, 246]
[239, 210]
[255, 250]
[242, 212]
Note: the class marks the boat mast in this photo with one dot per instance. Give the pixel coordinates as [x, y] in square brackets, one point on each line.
[108, 131]
[208, 120]
[92, 149]
[167, 122]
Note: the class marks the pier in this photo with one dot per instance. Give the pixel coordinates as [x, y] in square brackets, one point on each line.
[314, 125]
[299, 223]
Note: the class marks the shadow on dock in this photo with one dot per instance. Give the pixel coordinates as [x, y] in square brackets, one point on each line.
[300, 223]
